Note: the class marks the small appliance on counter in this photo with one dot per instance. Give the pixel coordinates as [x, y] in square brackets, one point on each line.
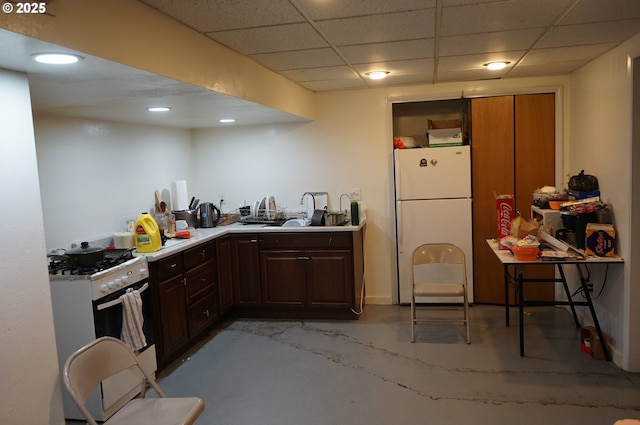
[209, 215]
[188, 216]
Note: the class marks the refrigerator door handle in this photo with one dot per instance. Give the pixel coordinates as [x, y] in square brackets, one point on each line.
[399, 226]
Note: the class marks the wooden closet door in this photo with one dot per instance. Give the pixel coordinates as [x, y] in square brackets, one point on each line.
[513, 151]
[535, 167]
[493, 171]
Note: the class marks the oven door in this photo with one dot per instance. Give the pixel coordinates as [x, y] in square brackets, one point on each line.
[119, 389]
[108, 321]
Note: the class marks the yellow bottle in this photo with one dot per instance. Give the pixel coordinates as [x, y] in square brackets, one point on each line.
[147, 234]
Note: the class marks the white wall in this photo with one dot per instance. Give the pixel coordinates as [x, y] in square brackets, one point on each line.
[349, 145]
[601, 143]
[94, 174]
[28, 360]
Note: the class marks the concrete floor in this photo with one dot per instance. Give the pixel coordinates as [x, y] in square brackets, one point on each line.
[368, 372]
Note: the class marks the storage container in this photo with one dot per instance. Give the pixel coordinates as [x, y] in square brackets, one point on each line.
[525, 252]
[147, 234]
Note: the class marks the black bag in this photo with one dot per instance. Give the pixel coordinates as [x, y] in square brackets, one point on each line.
[583, 182]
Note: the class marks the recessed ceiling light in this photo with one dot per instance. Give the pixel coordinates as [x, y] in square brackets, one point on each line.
[494, 66]
[225, 120]
[376, 75]
[159, 109]
[56, 58]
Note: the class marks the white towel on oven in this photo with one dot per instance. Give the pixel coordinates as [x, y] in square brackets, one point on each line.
[132, 320]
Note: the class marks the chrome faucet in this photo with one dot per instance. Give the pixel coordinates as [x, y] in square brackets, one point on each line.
[348, 197]
[308, 193]
[312, 197]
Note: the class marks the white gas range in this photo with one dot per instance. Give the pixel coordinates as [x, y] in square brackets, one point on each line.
[86, 305]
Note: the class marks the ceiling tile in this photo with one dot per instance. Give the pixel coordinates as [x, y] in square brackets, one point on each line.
[488, 42]
[541, 69]
[207, 16]
[599, 10]
[380, 28]
[422, 67]
[471, 62]
[381, 52]
[312, 58]
[500, 16]
[342, 84]
[594, 33]
[279, 38]
[468, 75]
[563, 54]
[316, 74]
[321, 10]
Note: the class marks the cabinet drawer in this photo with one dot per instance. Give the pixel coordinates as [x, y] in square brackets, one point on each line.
[203, 313]
[199, 254]
[200, 280]
[169, 267]
[300, 241]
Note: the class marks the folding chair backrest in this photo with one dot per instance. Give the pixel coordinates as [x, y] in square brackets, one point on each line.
[91, 365]
[438, 253]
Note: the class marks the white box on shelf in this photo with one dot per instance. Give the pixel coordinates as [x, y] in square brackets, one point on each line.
[445, 136]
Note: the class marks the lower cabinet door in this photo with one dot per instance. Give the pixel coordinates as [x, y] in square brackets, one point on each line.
[202, 313]
[173, 313]
[283, 278]
[329, 282]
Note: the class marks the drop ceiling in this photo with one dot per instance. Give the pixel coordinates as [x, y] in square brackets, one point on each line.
[327, 45]
[331, 44]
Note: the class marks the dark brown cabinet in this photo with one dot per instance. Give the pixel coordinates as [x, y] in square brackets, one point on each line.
[310, 274]
[277, 275]
[173, 318]
[246, 271]
[283, 279]
[187, 299]
[225, 272]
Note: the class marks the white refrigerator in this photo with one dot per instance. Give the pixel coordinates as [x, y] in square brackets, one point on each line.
[433, 204]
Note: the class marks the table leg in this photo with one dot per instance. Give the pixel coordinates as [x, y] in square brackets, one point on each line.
[506, 293]
[568, 293]
[585, 290]
[521, 309]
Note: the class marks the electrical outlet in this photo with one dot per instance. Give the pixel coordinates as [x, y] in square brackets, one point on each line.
[355, 194]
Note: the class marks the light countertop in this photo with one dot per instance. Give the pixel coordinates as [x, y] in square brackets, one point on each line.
[173, 246]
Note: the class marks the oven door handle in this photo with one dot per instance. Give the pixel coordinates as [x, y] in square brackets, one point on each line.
[117, 301]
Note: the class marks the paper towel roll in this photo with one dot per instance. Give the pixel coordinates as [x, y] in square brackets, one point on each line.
[179, 195]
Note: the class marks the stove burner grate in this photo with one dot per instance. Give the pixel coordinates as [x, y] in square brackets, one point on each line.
[60, 265]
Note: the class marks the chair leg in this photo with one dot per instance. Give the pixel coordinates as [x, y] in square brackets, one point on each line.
[413, 318]
[466, 317]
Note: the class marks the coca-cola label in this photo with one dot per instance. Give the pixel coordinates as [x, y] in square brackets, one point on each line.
[505, 214]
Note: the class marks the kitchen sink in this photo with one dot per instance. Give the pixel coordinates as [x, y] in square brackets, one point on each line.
[296, 222]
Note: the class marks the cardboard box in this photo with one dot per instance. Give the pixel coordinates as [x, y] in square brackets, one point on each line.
[505, 213]
[445, 137]
[600, 239]
[443, 124]
[590, 343]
